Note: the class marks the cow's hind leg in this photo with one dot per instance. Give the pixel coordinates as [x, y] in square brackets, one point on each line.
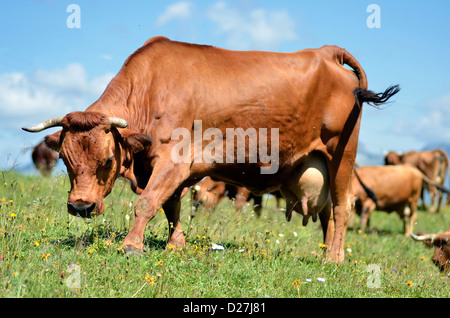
[172, 210]
[366, 212]
[340, 178]
[409, 218]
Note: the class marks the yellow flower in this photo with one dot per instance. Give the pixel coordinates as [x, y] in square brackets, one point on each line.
[171, 247]
[409, 283]
[150, 280]
[45, 256]
[91, 251]
[423, 258]
[322, 246]
[13, 215]
[159, 263]
[108, 243]
[36, 243]
[296, 283]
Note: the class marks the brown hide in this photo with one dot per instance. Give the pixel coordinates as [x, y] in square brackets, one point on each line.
[397, 188]
[44, 158]
[308, 97]
[434, 164]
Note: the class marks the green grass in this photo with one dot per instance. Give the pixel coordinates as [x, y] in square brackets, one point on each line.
[263, 257]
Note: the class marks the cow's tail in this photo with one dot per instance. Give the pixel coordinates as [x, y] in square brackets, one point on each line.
[369, 192]
[431, 182]
[375, 99]
[361, 93]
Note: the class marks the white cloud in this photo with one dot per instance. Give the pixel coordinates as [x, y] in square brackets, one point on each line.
[256, 29]
[178, 11]
[45, 93]
[29, 98]
[434, 125]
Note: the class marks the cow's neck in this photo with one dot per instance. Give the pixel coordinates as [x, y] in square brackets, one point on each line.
[120, 99]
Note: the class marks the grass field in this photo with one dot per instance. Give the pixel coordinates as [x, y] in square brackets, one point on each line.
[45, 252]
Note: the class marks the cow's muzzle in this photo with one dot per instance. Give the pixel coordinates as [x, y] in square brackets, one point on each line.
[81, 209]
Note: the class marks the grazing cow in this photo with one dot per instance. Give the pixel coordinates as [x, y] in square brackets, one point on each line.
[171, 98]
[441, 243]
[433, 164]
[44, 158]
[387, 188]
[209, 193]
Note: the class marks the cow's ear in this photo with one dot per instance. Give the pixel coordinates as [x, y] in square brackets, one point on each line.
[54, 141]
[136, 142]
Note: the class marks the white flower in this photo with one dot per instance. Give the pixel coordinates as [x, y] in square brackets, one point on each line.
[320, 279]
[295, 233]
[217, 247]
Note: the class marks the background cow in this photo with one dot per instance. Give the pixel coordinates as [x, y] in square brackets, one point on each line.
[434, 164]
[209, 193]
[441, 243]
[308, 97]
[44, 158]
[387, 188]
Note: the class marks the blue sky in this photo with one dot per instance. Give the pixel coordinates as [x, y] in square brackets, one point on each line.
[48, 69]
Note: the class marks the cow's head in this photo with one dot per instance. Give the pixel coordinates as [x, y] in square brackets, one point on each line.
[208, 192]
[441, 244]
[392, 158]
[95, 153]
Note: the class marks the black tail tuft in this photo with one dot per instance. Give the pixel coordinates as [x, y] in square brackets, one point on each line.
[375, 99]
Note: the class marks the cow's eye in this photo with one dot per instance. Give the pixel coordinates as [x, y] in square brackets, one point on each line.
[108, 162]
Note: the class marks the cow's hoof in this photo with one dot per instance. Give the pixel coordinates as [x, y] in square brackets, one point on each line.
[131, 251]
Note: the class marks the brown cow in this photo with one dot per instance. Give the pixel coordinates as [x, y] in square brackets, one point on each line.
[441, 243]
[44, 158]
[433, 164]
[170, 94]
[209, 193]
[387, 188]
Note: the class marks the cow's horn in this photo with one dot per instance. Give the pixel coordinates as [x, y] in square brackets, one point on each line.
[54, 122]
[118, 122]
[423, 237]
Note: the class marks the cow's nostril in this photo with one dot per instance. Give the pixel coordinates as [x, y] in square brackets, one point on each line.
[80, 209]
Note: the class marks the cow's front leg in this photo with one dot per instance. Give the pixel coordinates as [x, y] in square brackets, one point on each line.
[165, 180]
